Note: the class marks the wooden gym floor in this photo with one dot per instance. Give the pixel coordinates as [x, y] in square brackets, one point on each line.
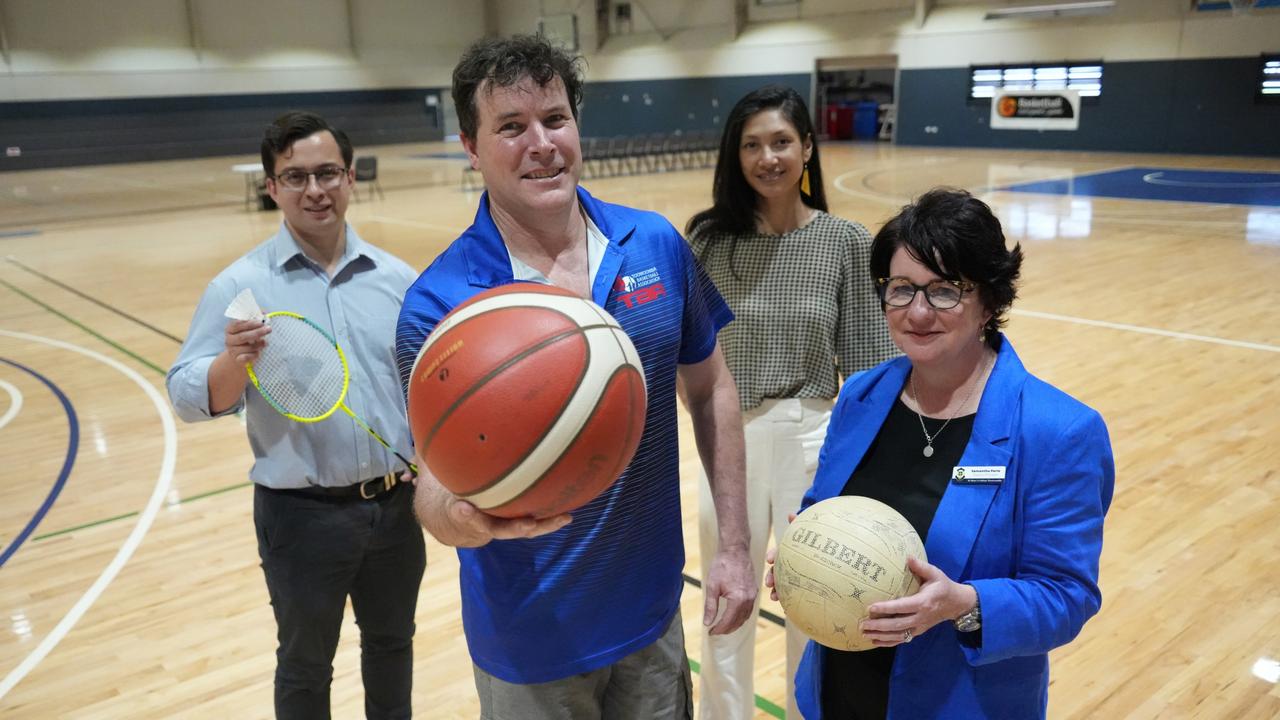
[130, 585]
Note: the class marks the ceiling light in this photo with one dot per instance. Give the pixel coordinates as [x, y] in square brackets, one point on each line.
[1064, 9]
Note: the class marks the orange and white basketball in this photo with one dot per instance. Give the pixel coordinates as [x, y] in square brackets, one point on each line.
[527, 400]
[837, 558]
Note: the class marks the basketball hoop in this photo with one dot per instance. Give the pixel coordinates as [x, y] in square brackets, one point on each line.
[1241, 7]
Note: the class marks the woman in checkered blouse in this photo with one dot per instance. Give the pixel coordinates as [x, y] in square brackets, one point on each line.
[806, 316]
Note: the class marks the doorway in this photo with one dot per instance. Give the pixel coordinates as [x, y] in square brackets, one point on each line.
[855, 97]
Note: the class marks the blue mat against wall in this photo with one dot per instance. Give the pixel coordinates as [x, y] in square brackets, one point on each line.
[1176, 184]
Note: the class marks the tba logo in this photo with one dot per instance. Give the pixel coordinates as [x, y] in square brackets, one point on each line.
[639, 289]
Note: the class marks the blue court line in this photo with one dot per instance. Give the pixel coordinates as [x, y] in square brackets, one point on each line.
[1211, 6]
[1222, 187]
[73, 443]
[18, 233]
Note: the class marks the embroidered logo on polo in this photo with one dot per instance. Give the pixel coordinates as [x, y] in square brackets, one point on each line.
[639, 288]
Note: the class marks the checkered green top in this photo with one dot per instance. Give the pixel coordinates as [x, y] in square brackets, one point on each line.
[806, 311]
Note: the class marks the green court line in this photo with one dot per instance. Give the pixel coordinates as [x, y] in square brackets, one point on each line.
[125, 516]
[761, 703]
[85, 328]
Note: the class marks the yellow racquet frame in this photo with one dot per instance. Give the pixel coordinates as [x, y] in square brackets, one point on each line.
[346, 378]
[342, 395]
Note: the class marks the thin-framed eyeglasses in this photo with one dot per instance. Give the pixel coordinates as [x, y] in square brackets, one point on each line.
[941, 294]
[327, 177]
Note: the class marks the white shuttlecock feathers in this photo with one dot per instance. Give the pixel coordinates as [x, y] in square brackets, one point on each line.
[245, 307]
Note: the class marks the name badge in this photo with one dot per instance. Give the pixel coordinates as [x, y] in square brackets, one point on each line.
[978, 474]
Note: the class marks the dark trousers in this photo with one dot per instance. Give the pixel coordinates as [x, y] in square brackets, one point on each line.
[315, 553]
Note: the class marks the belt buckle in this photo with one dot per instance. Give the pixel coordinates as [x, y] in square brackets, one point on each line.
[388, 482]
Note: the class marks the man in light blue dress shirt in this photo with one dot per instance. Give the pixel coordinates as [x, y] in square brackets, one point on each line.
[333, 509]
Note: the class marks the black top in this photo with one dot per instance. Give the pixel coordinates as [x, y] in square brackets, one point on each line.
[855, 685]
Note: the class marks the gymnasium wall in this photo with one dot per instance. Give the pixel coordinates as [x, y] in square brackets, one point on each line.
[86, 82]
[137, 80]
[1176, 80]
[92, 132]
[1175, 106]
[639, 107]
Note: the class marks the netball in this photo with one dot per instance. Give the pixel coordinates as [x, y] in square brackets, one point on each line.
[837, 558]
[527, 400]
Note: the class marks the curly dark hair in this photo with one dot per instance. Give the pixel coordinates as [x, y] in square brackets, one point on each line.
[957, 237]
[504, 62]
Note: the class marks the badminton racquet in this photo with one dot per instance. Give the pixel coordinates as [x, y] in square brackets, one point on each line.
[303, 374]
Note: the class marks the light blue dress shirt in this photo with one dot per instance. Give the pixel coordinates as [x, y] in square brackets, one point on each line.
[358, 306]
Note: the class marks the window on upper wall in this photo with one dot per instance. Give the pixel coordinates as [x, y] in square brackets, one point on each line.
[1084, 77]
[1269, 79]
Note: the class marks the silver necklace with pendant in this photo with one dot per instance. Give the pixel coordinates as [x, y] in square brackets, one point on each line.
[928, 439]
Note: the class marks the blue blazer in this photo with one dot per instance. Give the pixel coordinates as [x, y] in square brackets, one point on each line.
[1028, 544]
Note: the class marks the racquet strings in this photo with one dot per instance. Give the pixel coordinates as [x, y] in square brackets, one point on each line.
[300, 371]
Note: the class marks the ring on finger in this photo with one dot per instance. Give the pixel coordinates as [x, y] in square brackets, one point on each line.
[907, 635]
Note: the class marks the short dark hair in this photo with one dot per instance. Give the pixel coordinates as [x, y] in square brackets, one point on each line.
[733, 208]
[505, 62]
[957, 237]
[293, 126]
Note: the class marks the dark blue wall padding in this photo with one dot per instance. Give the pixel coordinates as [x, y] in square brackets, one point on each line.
[91, 132]
[1204, 106]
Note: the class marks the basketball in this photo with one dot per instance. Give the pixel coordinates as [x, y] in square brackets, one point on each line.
[527, 400]
[837, 558]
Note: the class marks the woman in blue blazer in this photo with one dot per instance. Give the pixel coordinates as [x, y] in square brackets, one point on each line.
[1006, 478]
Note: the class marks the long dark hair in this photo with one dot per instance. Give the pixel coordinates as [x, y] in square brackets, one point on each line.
[733, 209]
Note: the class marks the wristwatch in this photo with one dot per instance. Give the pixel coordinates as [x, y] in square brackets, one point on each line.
[971, 620]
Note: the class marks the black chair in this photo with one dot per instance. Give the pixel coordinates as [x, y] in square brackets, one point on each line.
[367, 171]
[594, 154]
[615, 154]
[472, 180]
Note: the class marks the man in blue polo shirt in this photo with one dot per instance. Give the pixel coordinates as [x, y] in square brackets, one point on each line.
[579, 619]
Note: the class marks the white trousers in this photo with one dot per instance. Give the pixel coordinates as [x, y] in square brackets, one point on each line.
[783, 440]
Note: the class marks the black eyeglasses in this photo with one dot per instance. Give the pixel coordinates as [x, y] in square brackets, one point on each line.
[941, 294]
[327, 177]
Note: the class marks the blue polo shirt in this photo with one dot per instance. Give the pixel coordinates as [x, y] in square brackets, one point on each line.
[608, 583]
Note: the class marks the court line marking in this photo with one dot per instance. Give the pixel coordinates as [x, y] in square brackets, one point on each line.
[1147, 331]
[1013, 188]
[83, 327]
[104, 305]
[1156, 178]
[762, 703]
[125, 516]
[411, 223]
[986, 190]
[866, 173]
[163, 482]
[68, 461]
[15, 402]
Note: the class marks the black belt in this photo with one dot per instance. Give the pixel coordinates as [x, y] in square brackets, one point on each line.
[370, 489]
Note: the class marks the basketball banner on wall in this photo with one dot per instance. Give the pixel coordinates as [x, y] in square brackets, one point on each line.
[1035, 110]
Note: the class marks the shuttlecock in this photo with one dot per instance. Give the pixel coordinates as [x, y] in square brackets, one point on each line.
[245, 307]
